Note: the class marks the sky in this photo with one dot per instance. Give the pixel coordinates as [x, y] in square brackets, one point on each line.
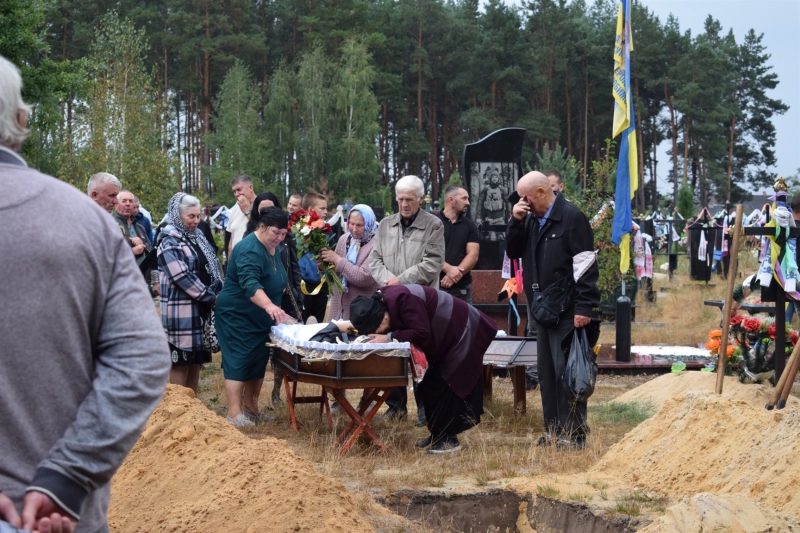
[779, 21]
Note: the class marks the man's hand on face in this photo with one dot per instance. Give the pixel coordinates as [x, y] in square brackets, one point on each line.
[521, 209]
[244, 204]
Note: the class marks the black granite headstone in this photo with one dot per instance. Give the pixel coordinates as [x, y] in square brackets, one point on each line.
[492, 167]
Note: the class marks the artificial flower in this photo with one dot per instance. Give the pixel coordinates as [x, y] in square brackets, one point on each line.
[752, 325]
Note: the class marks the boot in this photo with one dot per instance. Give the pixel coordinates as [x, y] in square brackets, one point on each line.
[276, 387]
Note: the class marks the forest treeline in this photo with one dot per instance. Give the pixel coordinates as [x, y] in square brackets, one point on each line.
[345, 97]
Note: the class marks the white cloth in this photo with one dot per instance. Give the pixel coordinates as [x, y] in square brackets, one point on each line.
[237, 225]
[581, 263]
[702, 250]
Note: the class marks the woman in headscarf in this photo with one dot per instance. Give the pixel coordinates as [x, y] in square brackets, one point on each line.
[292, 301]
[452, 334]
[247, 307]
[189, 282]
[351, 261]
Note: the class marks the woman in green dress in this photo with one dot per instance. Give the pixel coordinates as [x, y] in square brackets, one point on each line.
[248, 306]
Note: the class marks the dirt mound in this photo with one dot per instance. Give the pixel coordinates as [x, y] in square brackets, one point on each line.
[702, 442]
[192, 471]
[668, 386]
[707, 513]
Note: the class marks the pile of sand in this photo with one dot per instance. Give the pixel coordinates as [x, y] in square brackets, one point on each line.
[707, 513]
[702, 442]
[192, 471]
[669, 386]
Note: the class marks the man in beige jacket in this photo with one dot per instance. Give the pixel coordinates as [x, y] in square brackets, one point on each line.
[409, 249]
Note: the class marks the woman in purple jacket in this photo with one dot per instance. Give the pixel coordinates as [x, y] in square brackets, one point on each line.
[351, 261]
[452, 334]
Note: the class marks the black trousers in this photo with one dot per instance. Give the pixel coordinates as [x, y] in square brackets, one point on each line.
[563, 417]
[447, 414]
[398, 398]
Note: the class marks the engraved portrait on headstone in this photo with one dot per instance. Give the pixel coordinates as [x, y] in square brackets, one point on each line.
[495, 182]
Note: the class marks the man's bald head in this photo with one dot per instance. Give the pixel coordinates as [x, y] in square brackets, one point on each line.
[530, 181]
[535, 186]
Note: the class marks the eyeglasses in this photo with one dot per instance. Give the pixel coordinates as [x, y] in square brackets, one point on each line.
[407, 200]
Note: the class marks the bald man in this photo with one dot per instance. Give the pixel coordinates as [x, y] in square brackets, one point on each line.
[546, 231]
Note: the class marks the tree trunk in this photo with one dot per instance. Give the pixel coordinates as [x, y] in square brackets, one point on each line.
[586, 129]
[654, 161]
[569, 113]
[419, 75]
[730, 155]
[673, 123]
[687, 125]
[385, 142]
[433, 140]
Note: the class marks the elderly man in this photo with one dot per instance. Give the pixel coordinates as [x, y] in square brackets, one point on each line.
[103, 188]
[409, 249]
[133, 231]
[547, 232]
[239, 215]
[79, 377]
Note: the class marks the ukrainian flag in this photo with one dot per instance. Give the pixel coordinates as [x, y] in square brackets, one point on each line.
[627, 163]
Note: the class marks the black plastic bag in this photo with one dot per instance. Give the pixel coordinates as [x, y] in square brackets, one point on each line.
[580, 372]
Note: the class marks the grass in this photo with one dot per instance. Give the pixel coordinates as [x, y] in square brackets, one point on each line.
[548, 491]
[628, 413]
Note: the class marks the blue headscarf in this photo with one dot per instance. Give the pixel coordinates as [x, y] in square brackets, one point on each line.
[353, 244]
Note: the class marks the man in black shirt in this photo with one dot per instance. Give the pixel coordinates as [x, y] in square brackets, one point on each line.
[461, 244]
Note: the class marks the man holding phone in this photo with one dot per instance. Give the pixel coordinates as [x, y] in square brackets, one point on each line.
[546, 231]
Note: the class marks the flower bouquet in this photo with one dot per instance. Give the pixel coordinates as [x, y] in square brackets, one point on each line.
[312, 234]
[754, 342]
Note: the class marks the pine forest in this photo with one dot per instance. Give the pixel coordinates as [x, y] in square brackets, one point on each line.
[344, 97]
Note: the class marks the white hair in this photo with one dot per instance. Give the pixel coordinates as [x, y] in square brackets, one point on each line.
[187, 202]
[410, 184]
[100, 179]
[11, 133]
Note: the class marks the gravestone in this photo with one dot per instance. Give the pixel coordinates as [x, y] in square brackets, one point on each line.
[492, 167]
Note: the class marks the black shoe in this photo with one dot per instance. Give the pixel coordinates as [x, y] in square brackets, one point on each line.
[446, 445]
[394, 415]
[570, 445]
[545, 440]
[424, 443]
[421, 420]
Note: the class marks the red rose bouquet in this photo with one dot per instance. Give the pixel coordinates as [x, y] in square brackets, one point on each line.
[312, 234]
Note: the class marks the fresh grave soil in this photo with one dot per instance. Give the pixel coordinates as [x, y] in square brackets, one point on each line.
[703, 463]
[192, 471]
[668, 386]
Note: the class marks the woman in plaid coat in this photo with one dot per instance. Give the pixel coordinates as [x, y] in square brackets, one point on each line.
[190, 281]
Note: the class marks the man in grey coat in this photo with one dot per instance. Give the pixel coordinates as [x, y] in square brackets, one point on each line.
[409, 249]
[80, 376]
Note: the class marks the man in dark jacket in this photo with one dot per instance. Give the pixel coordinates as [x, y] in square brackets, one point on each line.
[546, 231]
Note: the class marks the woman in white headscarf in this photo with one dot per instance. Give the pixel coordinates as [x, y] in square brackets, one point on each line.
[190, 281]
[351, 261]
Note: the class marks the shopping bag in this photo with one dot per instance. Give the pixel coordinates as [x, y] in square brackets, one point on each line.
[580, 372]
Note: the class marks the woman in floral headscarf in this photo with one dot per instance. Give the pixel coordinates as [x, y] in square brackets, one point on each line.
[350, 259]
[190, 281]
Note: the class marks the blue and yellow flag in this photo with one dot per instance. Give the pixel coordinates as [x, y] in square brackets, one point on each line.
[627, 163]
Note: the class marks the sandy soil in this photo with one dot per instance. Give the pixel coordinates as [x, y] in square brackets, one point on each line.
[665, 387]
[192, 471]
[719, 463]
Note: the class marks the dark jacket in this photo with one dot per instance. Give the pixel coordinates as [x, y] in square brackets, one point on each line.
[288, 249]
[566, 233]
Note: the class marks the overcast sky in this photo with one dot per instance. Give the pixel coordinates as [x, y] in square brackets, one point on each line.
[779, 21]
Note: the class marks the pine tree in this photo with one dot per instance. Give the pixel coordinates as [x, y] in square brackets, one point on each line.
[117, 129]
[238, 143]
